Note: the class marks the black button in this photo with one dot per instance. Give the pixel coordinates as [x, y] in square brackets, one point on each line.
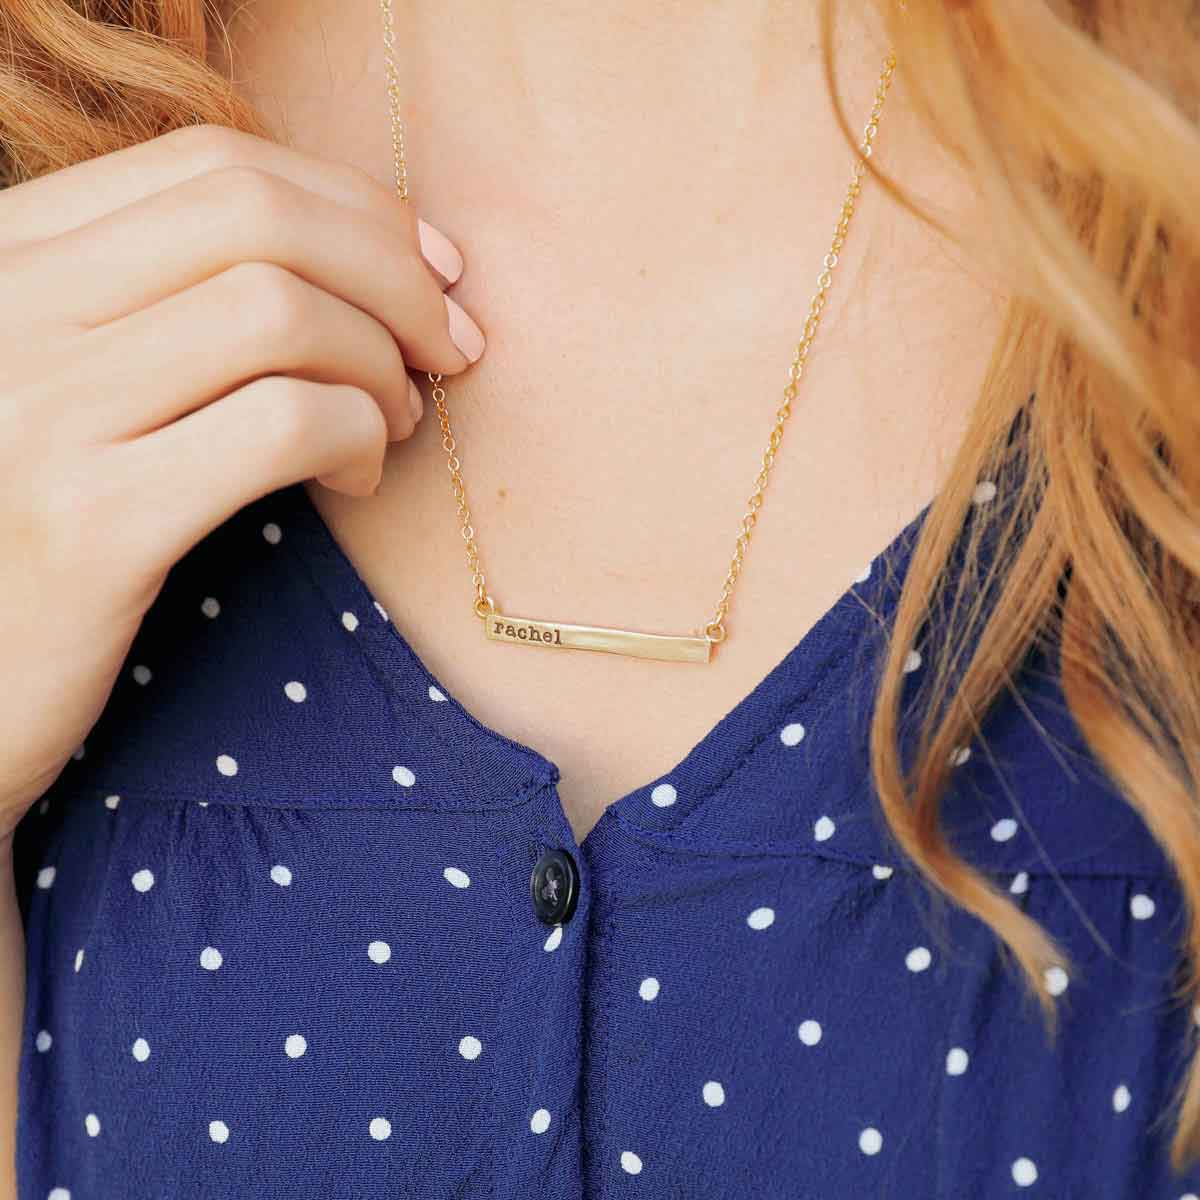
[555, 887]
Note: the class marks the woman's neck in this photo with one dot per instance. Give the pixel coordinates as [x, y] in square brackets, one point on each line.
[598, 92]
[643, 216]
[568, 73]
[597, 103]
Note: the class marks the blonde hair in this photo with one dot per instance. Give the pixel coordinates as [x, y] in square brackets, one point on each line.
[1078, 122]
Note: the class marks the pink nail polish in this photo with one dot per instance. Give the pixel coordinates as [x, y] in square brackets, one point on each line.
[464, 333]
[439, 251]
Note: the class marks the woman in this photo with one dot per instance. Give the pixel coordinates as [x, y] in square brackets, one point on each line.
[311, 890]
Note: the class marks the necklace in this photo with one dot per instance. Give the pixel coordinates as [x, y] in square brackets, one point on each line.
[694, 647]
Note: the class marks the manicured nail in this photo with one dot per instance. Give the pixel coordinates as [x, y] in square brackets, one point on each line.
[464, 333]
[415, 402]
[439, 251]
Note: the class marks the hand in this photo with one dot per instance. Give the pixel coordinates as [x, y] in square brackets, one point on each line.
[185, 325]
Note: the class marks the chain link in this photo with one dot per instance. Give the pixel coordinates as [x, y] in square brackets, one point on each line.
[715, 629]
[393, 90]
[483, 603]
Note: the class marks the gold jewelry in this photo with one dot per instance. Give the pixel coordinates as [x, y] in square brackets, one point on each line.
[694, 647]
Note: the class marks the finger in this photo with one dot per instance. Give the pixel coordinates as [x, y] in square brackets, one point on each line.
[251, 320]
[51, 205]
[194, 473]
[172, 240]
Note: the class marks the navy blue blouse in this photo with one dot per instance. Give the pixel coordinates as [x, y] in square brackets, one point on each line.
[298, 925]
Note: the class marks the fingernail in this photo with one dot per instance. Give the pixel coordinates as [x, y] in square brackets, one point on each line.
[464, 333]
[439, 251]
[415, 402]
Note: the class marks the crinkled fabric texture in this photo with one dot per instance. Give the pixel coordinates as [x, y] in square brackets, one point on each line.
[281, 940]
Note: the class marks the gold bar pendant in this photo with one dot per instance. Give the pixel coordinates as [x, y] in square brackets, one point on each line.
[668, 647]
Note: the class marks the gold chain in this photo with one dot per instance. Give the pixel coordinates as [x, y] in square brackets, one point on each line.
[714, 630]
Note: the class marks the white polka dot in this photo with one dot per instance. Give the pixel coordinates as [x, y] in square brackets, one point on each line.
[381, 610]
[43, 1041]
[456, 877]
[918, 958]
[295, 1045]
[1056, 980]
[792, 735]
[870, 1141]
[1121, 1099]
[142, 880]
[44, 806]
[912, 661]
[78, 960]
[295, 690]
[761, 918]
[470, 1047]
[141, 1049]
[882, 872]
[403, 776]
[218, 1131]
[956, 1061]
[823, 830]
[111, 802]
[809, 1032]
[79, 751]
[381, 1128]
[648, 988]
[1024, 1172]
[1004, 829]
[1189, 1196]
[272, 533]
[713, 1093]
[202, 803]
[959, 755]
[863, 575]
[379, 952]
[1141, 907]
[281, 875]
[663, 795]
[58, 1193]
[984, 491]
[1020, 883]
[350, 621]
[45, 877]
[540, 1121]
[210, 958]
[438, 695]
[630, 1162]
[92, 1124]
[554, 940]
[210, 607]
[141, 674]
[227, 764]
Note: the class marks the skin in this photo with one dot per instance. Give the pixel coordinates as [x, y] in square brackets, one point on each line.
[642, 206]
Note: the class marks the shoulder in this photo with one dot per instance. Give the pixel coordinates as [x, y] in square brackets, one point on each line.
[1033, 796]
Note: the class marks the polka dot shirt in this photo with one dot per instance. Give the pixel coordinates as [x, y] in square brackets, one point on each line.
[291, 933]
